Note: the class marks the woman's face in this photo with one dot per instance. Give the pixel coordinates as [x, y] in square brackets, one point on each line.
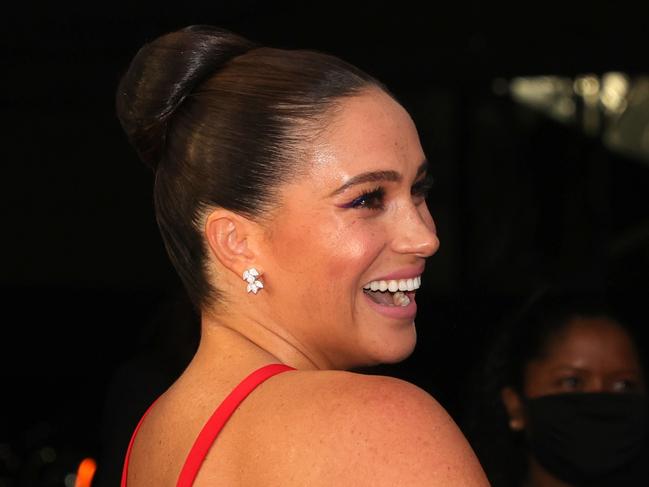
[590, 355]
[358, 218]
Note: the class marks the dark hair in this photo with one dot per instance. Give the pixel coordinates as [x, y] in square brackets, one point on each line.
[223, 122]
[520, 338]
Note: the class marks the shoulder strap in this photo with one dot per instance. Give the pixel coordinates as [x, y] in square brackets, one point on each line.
[216, 422]
[130, 446]
[213, 426]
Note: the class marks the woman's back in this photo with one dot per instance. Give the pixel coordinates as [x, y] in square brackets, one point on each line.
[361, 430]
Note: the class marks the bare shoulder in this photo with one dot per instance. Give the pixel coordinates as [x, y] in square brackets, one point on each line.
[341, 428]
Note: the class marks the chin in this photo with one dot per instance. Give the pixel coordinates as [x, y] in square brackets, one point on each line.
[394, 349]
[399, 355]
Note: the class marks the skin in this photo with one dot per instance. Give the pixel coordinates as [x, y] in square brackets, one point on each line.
[314, 273]
[590, 355]
[318, 425]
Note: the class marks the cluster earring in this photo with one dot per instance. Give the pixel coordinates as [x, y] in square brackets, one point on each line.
[251, 276]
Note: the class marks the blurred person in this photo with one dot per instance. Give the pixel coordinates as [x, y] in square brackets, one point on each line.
[290, 191]
[563, 398]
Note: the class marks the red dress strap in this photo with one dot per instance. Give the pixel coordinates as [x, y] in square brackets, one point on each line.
[130, 446]
[213, 426]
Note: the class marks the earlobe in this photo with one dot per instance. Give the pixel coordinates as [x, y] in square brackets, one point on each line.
[227, 236]
[514, 407]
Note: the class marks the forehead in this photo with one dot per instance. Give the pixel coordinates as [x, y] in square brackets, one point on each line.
[366, 132]
[592, 341]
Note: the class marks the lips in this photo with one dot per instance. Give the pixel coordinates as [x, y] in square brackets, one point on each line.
[394, 295]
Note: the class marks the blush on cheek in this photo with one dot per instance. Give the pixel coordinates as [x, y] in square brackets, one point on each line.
[350, 255]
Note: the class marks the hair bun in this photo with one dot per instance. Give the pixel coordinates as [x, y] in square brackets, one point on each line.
[162, 74]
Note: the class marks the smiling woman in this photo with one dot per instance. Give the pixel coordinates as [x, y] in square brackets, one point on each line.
[290, 193]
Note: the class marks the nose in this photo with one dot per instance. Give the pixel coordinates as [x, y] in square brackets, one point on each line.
[595, 384]
[415, 232]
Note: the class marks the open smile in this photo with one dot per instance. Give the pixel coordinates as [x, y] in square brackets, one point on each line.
[394, 298]
[393, 292]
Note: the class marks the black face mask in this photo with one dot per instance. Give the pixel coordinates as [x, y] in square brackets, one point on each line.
[580, 438]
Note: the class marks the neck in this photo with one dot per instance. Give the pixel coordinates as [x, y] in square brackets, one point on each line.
[540, 477]
[245, 334]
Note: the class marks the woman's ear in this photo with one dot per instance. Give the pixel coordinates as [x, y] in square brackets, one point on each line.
[230, 238]
[514, 407]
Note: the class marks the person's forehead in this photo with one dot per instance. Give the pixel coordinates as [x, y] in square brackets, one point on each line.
[591, 338]
[368, 118]
[369, 132]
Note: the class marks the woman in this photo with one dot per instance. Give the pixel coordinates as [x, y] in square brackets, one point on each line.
[290, 193]
[564, 402]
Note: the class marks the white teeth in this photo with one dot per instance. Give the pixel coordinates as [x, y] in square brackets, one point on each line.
[393, 285]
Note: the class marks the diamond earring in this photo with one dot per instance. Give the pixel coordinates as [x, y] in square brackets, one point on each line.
[251, 277]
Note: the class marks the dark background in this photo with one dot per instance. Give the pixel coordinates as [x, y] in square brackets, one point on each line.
[519, 198]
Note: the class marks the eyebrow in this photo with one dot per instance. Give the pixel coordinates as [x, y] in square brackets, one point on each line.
[562, 367]
[377, 176]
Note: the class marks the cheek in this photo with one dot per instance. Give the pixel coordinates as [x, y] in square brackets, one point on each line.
[352, 248]
[538, 380]
[331, 250]
[533, 383]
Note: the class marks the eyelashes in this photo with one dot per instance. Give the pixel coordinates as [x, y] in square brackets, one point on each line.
[374, 199]
[422, 187]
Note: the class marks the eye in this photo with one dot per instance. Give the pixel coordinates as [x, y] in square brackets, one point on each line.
[421, 188]
[372, 200]
[569, 383]
[625, 385]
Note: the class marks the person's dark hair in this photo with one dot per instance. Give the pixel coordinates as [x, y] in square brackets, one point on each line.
[522, 337]
[223, 122]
